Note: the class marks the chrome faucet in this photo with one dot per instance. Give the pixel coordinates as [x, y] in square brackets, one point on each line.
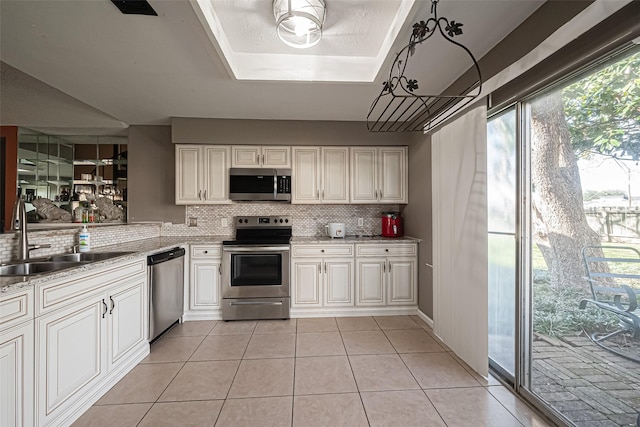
[19, 224]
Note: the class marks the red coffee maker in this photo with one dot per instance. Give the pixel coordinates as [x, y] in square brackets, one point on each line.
[392, 224]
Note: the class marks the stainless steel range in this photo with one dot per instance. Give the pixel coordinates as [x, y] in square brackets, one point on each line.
[255, 269]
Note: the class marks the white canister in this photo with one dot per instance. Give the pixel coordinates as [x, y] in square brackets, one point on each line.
[336, 230]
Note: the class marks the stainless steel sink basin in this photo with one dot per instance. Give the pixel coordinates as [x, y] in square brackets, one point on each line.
[31, 268]
[86, 256]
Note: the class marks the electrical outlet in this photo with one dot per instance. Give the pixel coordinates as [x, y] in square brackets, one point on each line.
[360, 222]
[193, 221]
[223, 222]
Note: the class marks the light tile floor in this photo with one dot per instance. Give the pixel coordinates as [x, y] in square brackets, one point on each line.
[363, 371]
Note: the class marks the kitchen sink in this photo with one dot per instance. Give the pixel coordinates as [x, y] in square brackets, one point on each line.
[86, 256]
[55, 263]
[31, 268]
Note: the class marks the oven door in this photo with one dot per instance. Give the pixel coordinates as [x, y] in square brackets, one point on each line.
[255, 271]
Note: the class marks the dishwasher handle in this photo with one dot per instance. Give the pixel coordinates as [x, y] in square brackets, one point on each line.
[165, 256]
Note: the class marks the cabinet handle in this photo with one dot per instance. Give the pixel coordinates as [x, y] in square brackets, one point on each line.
[263, 159]
[323, 194]
[113, 304]
[205, 194]
[375, 194]
[325, 267]
[389, 266]
[318, 192]
[220, 269]
[199, 194]
[320, 270]
[384, 267]
[104, 305]
[380, 191]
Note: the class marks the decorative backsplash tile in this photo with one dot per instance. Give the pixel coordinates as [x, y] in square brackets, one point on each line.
[63, 240]
[307, 220]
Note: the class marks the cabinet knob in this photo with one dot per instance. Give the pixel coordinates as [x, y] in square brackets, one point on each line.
[322, 250]
[387, 250]
[206, 252]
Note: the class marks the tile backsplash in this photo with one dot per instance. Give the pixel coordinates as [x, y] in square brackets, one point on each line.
[307, 220]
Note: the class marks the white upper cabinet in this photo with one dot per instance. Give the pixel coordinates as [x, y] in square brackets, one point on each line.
[255, 156]
[202, 174]
[320, 175]
[379, 175]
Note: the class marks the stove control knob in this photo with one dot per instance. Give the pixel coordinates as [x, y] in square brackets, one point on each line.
[286, 220]
[280, 220]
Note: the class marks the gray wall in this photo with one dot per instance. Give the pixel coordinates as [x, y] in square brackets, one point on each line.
[417, 216]
[278, 132]
[151, 176]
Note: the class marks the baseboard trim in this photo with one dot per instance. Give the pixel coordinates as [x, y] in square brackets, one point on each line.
[205, 315]
[83, 404]
[352, 312]
[425, 318]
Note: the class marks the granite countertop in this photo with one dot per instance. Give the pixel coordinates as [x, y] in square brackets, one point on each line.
[137, 249]
[354, 239]
[145, 247]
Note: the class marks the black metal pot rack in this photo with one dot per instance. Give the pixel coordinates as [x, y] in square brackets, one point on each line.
[398, 108]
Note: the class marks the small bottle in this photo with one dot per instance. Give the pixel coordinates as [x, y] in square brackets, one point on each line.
[84, 240]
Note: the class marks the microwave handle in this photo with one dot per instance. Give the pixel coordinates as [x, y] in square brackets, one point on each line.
[275, 185]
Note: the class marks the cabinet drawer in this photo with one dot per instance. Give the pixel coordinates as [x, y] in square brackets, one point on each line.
[382, 249]
[206, 251]
[16, 308]
[320, 250]
[66, 290]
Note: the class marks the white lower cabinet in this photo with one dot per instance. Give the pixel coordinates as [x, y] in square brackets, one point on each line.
[322, 275]
[370, 279]
[386, 274]
[16, 376]
[204, 282]
[84, 346]
[69, 355]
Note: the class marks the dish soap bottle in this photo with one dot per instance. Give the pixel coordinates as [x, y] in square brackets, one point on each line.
[84, 242]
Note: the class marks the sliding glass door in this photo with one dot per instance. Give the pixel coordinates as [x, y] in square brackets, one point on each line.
[501, 204]
[563, 197]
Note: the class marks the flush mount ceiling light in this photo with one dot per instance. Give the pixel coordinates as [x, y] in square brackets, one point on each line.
[299, 22]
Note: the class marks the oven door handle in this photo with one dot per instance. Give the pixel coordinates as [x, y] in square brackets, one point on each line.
[255, 249]
[256, 303]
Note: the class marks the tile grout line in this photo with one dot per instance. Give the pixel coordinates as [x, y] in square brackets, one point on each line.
[295, 360]
[354, 376]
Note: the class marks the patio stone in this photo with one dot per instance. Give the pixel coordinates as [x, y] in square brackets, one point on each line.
[585, 415]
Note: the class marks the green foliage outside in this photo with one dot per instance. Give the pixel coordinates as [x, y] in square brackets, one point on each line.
[603, 110]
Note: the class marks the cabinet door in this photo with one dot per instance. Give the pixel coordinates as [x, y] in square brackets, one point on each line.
[127, 319]
[306, 283]
[188, 174]
[370, 281]
[276, 157]
[69, 354]
[16, 376]
[205, 283]
[335, 175]
[402, 285]
[306, 175]
[393, 176]
[338, 282]
[364, 187]
[246, 156]
[216, 175]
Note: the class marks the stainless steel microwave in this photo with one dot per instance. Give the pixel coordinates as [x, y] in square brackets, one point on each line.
[260, 184]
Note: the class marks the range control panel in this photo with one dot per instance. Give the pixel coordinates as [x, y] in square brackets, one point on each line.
[262, 221]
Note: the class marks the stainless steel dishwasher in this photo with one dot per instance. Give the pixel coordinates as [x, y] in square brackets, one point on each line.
[166, 290]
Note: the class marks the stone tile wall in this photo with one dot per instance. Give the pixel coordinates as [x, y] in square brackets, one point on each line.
[307, 220]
